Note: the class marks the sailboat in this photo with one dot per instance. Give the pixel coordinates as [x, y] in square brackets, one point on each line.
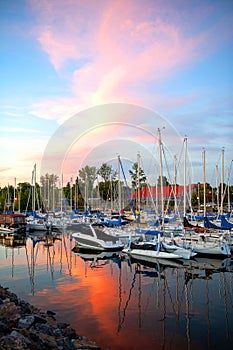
[206, 243]
[152, 252]
[36, 222]
[156, 249]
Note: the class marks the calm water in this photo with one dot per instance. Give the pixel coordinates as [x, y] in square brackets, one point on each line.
[122, 304]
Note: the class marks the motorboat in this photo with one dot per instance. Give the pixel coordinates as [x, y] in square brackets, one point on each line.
[93, 238]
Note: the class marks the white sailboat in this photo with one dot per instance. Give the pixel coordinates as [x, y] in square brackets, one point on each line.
[36, 222]
[158, 249]
[205, 243]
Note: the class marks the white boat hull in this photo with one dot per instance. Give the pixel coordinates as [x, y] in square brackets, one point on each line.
[143, 253]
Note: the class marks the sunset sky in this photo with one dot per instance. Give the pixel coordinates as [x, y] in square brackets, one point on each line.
[60, 58]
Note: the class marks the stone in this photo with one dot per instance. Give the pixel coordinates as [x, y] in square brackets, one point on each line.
[10, 311]
[26, 322]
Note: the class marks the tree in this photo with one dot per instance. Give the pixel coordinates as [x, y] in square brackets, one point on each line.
[49, 190]
[108, 187]
[108, 190]
[88, 175]
[106, 172]
[47, 178]
[165, 181]
[138, 177]
[73, 193]
[6, 198]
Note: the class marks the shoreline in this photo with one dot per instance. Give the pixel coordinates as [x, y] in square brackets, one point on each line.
[24, 326]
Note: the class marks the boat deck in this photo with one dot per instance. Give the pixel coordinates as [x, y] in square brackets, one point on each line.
[86, 229]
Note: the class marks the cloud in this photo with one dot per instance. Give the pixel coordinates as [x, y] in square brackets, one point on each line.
[125, 51]
[118, 46]
[59, 109]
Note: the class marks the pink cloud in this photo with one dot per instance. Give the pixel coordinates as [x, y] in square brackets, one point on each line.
[114, 49]
[124, 43]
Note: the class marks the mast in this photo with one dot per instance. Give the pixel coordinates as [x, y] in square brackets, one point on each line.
[19, 199]
[75, 195]
[138, 182]
[61, 192]
[33, 189]
[71, 184]
[222, 181]
[119, 184]
[161, 174]
[175, 180]
[14, 196]
[53, 196]
[204, 181]
[228, 188]
[185, 161]
[48, 193]
[217, 187]
[198, 197]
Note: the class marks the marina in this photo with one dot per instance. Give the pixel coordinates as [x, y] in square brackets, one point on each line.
[120, 302]
[116, 182]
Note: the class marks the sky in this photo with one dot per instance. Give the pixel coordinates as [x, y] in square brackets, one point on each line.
[86, 82]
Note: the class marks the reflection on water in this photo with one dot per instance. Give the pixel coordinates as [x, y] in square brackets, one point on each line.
[122, 303]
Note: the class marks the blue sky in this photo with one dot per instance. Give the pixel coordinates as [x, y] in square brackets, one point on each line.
[59, 58]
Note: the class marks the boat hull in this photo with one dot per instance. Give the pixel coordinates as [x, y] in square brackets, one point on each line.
[137, 253]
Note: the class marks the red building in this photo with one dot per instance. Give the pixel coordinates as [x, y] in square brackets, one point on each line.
[169, 191]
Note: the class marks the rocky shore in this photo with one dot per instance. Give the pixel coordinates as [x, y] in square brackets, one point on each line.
[23, 326]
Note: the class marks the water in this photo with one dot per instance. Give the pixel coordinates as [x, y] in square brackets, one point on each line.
[122, 304]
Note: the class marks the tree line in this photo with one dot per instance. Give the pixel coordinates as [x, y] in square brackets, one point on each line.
[90, 186]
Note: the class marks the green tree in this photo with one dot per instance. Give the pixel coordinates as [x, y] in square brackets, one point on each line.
[138, 177]
[107, 172]
[6, 198]
[49, 191]
[87, 177]
[165, 181]
[108, 187]
[108, 190]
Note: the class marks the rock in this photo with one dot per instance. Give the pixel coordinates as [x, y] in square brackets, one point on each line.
[10, 311]
[4, 329]
[51, 313]
[26, 322]
[25, 327]
[47, 341]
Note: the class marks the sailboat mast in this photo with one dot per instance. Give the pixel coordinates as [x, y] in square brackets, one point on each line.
[228, 189]
[61, 192]
[185, 161]
[14, 196]
[175, 179]
[217, 187]
[71, 194]
[19, 199]
[138, 181]
[204, 180]
[161, 174]
[33, 190]
[222, 181]
[119, 184]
